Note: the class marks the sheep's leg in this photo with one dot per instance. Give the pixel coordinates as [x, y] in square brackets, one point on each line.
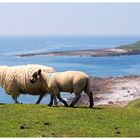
[39, 99]
[77, 97]
[55, 100]
[15, 99]
[61, 100]
[91, 100]
[51, 101]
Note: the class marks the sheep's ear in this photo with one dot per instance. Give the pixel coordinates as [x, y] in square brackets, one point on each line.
[39, 71]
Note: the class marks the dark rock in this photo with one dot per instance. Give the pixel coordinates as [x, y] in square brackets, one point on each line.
[116, 127]
[22, 127]
[118, 132]
[44, 136]
[46, 123]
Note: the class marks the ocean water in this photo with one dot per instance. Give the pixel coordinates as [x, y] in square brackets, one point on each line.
[96, 66]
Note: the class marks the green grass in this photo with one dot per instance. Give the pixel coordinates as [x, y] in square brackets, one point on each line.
[134, 46]
[43, 121]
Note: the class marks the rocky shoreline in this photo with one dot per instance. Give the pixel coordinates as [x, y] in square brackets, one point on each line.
[92, 53]
[114, 91]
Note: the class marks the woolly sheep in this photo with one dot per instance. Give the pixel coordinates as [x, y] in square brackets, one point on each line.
[15, 80]
[68, 81]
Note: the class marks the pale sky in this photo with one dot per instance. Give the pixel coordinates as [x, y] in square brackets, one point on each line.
[60, 19]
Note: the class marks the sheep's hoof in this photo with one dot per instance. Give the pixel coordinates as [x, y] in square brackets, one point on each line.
[71, 105]
[18, 103]
[50, 105]
[66, 105]
[90, 106]
[36, 103]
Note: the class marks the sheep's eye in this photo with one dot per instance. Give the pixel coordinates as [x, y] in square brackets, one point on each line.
[34, 75]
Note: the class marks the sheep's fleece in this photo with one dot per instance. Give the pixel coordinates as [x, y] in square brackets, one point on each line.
[16, 79]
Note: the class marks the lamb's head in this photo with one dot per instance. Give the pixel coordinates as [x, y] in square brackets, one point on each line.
[35, 76]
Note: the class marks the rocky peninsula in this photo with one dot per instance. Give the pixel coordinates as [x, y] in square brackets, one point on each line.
[91, 53]
[130, 49]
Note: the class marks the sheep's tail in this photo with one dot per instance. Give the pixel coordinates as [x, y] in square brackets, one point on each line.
[88, 91]
[87, 86]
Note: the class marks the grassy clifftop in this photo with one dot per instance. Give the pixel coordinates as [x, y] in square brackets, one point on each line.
[43, 121]
[134, 46]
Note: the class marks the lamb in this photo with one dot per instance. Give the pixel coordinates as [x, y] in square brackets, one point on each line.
[15, 80]
[68, 81]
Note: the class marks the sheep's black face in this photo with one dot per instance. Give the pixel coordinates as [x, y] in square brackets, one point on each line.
[34, 77]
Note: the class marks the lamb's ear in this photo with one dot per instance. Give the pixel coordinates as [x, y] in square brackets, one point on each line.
[39, 71]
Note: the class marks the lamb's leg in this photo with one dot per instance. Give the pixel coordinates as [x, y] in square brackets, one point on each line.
[61, 100]
[15, 99]
[77, 97]
[39, 99]
[51, 101]
[55, 100]
[91, 100]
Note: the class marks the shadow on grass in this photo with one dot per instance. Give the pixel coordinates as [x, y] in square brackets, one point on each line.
[84, 107]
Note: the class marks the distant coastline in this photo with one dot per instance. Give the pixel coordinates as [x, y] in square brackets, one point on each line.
[91, 53]
[130, 49]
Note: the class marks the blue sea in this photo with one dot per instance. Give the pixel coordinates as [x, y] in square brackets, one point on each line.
[95, 66]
